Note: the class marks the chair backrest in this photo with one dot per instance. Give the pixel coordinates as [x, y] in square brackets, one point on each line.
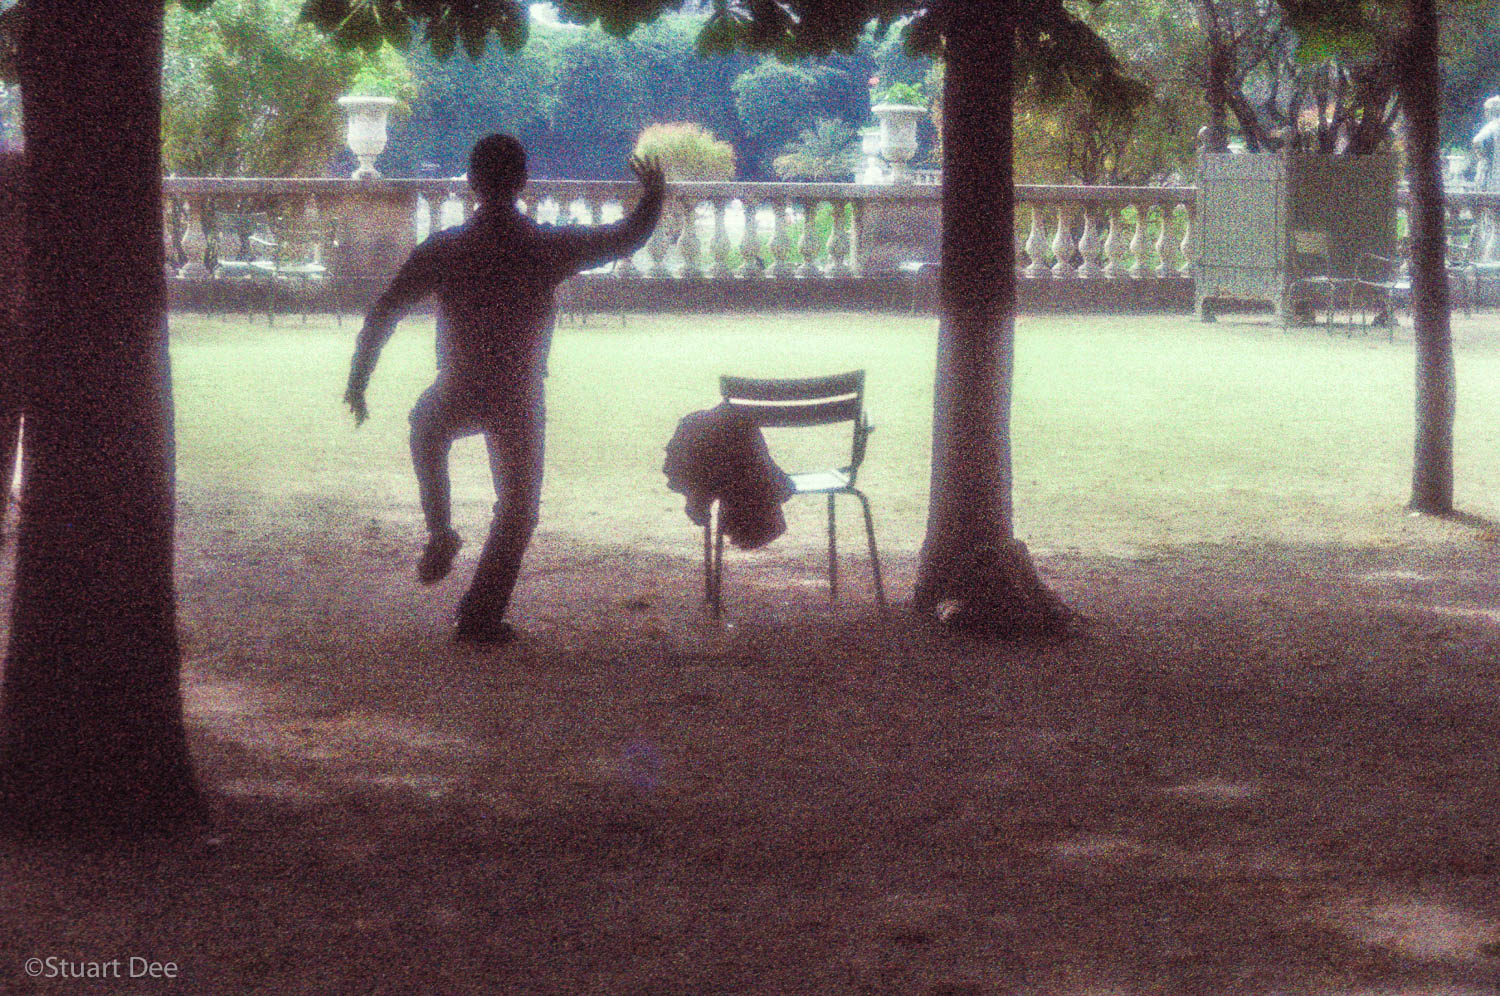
[1312, 254]
[241, 235]
[301, 243]
[806, 401]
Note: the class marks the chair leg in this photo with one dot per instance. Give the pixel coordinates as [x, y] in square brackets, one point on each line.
[874, 555]
[833, 551]
[708, 559]
[718, 564]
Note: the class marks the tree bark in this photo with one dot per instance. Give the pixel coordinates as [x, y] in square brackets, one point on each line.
[1432, 465]
[972, 569]
[91, 728]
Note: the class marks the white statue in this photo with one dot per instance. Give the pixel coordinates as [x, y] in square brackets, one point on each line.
[1487, 148]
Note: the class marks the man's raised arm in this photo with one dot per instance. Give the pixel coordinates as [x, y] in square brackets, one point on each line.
[598, 245]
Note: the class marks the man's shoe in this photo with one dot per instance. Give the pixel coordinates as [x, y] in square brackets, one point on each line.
[437, 558]
[486, 635]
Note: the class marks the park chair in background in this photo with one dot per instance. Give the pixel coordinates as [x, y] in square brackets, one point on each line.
[238, 259]
[261, 260]
[920, 278]
[591, 291]
[1387, 281]
[1320, 282]
[797, 403]
[298, 253]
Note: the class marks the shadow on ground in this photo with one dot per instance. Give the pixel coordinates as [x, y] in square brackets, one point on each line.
[1262, 770]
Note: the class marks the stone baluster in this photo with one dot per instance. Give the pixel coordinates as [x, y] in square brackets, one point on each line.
[307, 217]
[751, 264]
[1489, 221]
[1089, 245]
[422, 216]
[1163, 243]
[1063, 246]
[718, 244]
[838, 242]
[658, 243]
[452, 211]
[1036, 246]
[1138, 242]
[688, 243]
[856, 250]
[780, 246]
[1114, 246]
[807, 247]
[194, 239]
[1187, 246]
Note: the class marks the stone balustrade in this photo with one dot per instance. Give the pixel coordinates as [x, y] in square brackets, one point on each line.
[754, 232]
[1470, 215]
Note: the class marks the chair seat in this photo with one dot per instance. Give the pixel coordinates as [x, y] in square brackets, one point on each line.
[818, 481]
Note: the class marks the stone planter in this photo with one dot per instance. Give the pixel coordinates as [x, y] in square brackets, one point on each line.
[366, 135]
[898, 136]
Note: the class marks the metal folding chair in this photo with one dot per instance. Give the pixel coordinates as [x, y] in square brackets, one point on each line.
[814, 401]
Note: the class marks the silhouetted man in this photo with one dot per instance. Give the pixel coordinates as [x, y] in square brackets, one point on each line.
[494, 277]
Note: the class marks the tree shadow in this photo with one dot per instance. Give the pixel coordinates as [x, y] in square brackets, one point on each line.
[1261, 769]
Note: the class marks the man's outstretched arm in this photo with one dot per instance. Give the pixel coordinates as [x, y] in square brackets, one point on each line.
[591, 247]
[417, 277]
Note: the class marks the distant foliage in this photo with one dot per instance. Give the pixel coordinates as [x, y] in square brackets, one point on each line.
[248, 89]
[903, 93]
[687, 151]
[828, 151]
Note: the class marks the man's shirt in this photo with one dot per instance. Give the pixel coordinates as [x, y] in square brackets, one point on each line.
[494, 278]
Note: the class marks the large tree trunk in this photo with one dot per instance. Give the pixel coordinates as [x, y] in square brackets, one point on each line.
[1432, 466]
[91, 729]
[972, 569]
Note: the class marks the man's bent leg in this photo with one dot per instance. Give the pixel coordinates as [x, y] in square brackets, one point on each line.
[517, 441]
[433, 428]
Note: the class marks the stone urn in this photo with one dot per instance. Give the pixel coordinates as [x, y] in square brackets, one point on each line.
[1458, 162]
[898, 136]
[366, 136]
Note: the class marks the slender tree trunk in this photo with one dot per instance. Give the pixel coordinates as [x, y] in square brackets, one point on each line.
[971, 565]
[91, 729]
[1218, 98]
[1432, 465]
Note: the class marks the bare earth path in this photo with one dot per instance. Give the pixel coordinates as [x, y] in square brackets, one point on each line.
[1261, 771]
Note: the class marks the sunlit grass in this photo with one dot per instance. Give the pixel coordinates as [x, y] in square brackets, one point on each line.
[1130, 433]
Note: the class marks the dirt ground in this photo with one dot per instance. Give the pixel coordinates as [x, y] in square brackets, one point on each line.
[1260, 771]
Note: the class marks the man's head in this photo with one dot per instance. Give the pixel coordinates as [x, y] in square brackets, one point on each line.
[497, 168]
[1492, 108]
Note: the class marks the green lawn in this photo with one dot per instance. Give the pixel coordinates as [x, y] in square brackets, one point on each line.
[1130, 433]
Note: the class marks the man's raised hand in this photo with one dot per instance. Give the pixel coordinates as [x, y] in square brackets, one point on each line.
[649, 171]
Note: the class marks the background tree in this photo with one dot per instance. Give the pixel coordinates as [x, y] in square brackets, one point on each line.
[776, 102]
[826, 152]
[1411, 31]
[250, 90]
